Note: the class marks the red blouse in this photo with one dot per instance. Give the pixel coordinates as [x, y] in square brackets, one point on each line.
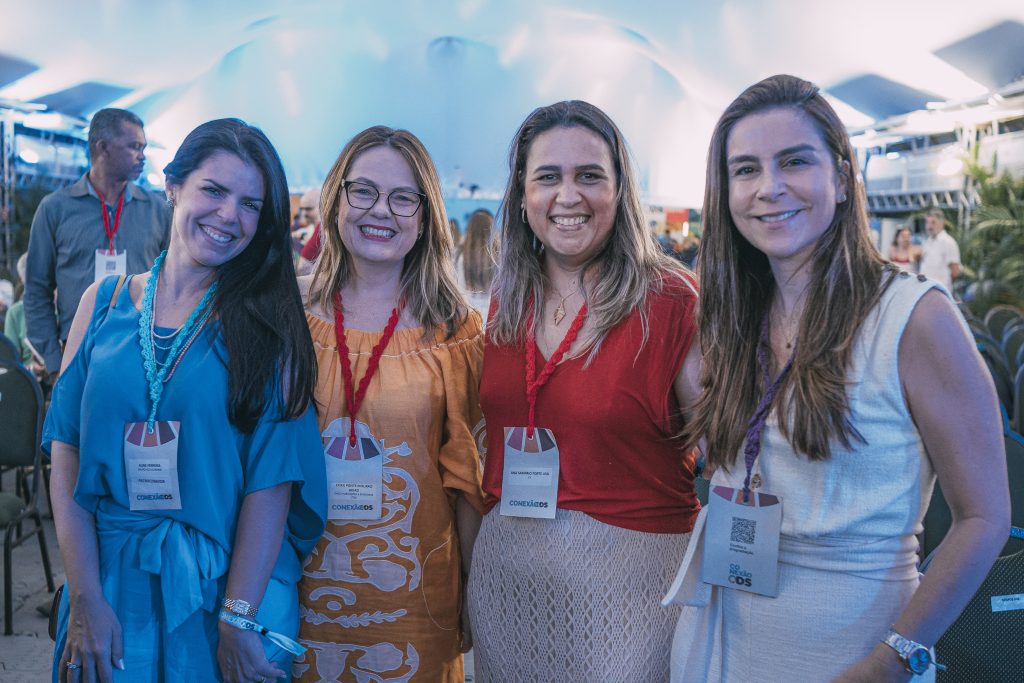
[614, 421]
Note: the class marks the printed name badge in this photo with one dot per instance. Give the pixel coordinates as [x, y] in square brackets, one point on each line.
[151, 465]
[741, 541]
[108, 263]
[1008, 603]
[529, 480]
[355, 474]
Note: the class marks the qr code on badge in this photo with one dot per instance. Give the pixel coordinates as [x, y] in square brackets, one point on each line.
[743, 530]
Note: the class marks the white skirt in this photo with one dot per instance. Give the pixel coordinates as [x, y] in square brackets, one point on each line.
[571, 600]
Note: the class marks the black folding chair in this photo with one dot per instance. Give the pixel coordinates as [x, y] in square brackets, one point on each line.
[983, 644]
[998, 317]
[9, 350]
[21, 423]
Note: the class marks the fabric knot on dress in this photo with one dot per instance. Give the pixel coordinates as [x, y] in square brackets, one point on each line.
[187, 562]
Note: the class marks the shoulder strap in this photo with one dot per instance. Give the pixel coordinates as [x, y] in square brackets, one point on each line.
[117, 290]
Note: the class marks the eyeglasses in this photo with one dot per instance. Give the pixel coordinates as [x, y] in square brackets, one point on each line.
[365, 196]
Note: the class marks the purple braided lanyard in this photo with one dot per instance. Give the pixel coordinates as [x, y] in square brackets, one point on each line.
[755, 427]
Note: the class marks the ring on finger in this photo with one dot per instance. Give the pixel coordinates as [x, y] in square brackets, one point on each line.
[71, 666]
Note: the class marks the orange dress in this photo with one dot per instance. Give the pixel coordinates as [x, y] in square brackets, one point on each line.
[379, 600]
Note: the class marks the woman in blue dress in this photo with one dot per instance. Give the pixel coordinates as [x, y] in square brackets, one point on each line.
[188, 478]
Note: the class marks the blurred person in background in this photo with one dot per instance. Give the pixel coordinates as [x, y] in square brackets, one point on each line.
[903, 252]
[940, 254]
[102, 224]
[474, 261]
[309, 220]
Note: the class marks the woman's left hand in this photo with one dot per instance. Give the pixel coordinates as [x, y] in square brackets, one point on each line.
[241, 659]
[880, 666]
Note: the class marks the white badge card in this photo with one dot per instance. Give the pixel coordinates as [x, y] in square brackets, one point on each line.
[151, 465]
[108, 263]
[741, 541]
[529, 480]
[355, 476]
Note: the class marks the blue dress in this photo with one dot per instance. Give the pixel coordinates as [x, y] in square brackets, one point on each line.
[164, 571]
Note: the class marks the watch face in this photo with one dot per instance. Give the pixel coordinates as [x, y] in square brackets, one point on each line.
[919, 660]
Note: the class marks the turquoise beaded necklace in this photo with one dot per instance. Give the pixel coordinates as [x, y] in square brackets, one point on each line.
[156, 372]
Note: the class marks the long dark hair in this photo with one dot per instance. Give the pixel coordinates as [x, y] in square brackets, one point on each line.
[737, 289]
[270, 353]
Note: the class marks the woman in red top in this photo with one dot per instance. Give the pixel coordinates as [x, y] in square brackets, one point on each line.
[903, 252]
[589, 497]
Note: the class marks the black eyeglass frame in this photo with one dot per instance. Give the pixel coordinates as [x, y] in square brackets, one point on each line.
[345, 184]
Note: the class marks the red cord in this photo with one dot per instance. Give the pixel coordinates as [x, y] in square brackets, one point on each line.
[533, 386]
[354, 400]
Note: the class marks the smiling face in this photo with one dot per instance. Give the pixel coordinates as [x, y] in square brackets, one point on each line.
[570, 193]
[376, 236]
[216, 209]
[783, 183]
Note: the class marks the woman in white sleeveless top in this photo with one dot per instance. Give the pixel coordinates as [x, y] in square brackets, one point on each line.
[877, 389]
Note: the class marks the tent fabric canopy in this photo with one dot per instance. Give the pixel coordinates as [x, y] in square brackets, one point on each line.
[463, 74]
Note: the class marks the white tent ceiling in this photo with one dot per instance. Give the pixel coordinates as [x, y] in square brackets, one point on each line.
[462, 74]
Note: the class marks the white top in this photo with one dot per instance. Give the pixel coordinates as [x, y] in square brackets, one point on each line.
[937, 253]
[858, 511]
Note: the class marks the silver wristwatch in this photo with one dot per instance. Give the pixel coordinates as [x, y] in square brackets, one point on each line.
[239, 607]
[916, 658]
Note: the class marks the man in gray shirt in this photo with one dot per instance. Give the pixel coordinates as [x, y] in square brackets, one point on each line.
[103, 224]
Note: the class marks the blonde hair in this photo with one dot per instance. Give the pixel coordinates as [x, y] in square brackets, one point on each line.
[631, 263]
[428, 279]
[737, 290]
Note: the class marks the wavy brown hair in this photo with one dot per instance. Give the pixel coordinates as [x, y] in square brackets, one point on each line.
[475, 250]
[428, 278]
[737, 289]
[630, 264]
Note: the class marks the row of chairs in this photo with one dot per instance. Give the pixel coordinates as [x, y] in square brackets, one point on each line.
[1000, 340]
[21, 423]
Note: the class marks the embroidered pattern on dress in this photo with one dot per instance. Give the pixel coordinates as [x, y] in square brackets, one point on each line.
[387, 558]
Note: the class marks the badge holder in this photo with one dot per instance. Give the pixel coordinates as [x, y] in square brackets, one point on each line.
[529, 481]
[355, 474]
[110, 263]
[151, 465]
[741, 540]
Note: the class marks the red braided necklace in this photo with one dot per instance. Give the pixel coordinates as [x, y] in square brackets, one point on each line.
[354, 399]
[533, 386]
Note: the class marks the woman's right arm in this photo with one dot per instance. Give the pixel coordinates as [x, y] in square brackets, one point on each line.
[94, 633]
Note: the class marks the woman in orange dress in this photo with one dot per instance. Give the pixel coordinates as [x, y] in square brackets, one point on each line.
[397, 348]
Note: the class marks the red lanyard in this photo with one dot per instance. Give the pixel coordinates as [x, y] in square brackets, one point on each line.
[533, 386]
[354, 400]
[106, 217]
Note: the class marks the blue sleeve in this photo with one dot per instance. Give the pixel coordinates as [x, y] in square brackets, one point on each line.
[291, 451]
[64, 418]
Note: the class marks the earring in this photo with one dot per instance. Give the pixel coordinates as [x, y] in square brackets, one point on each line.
[522, 212]
[841, 198]
[170, 202]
